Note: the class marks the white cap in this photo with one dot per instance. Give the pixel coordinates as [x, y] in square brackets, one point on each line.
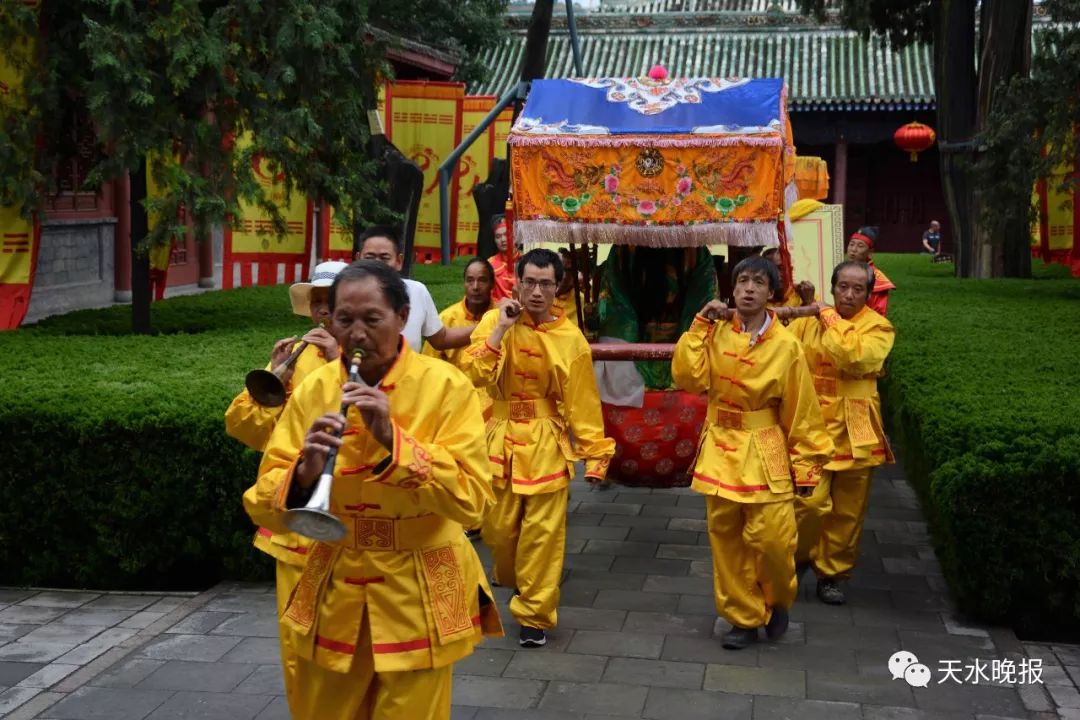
[322, 276]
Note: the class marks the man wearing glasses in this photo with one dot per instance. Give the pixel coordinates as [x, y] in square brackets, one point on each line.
[537, 366]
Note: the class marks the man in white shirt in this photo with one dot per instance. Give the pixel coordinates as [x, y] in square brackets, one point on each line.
[381, 243]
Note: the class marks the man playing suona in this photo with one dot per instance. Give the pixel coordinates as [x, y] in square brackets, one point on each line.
[379, 617]
[762, 414]
[382, 244]
[538, 369]
[846, 348]
[860, 249]
[252, 423]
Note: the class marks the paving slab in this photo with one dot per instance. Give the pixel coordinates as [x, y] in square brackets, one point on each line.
[670, 703]
[610, 699]
[210, 706]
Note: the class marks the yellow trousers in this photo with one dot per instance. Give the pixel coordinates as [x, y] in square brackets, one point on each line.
[837, 546]
[363, 694]
[809, 514]
[286, 577]
[527, 537]
[753, 551]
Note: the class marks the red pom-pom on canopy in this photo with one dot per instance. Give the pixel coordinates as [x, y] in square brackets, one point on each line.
[658, 72]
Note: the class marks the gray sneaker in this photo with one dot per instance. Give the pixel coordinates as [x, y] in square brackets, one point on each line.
[829, 592]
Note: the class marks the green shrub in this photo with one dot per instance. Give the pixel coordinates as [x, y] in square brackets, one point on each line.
[118, 473]
[983, 393]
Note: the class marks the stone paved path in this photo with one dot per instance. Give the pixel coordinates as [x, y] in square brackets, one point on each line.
[637, 638]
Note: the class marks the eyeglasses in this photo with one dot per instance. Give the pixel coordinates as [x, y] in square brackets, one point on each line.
[531, 284]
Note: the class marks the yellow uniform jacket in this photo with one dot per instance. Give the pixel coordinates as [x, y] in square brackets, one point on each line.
[405, 558]
[543, 387]
[564, 305]
[455, 316]
[252, 423]
[763, 413]
[846, 358]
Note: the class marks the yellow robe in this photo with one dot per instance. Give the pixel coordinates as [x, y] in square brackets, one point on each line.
[405, 566]
[252, 423]
[564, 305]
[543, 388]
[762, 412]
[846, 357]
[762, 407]
[455, 316]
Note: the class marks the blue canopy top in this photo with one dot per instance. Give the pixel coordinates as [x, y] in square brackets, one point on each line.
[616, 106]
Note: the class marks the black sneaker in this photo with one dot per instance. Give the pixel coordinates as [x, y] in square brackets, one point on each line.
[738, 638]
[532, 637]
[778, 624]
[829, 592]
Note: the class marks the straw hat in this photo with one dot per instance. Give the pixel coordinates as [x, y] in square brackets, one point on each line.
[322, 276]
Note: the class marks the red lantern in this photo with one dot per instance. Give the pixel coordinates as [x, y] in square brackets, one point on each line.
[914, 138]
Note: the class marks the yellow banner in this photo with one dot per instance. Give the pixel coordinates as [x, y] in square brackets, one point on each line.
[817, 247]
[1056, 234]
[253, 231]
[472, 170]
[502, 131]
[811, 178]
[251, 239]
[19, 237]
[338, 243]
[424, 123]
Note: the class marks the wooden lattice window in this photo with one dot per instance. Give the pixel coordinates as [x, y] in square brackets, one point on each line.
[80, 152]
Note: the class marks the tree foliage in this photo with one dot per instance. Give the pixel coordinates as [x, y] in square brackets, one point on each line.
[180, 81]
[1030, 129]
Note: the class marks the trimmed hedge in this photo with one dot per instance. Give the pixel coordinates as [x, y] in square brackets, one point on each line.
[117, 470]
[983, 390]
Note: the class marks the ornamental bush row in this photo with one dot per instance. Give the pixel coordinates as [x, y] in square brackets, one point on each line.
[117, 472]
[983, 393]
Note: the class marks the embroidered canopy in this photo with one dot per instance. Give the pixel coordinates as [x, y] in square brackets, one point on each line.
[666, 163]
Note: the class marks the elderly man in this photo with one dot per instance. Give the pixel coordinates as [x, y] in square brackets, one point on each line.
[762, 414]
[379, 616]
[479, 282]
[537, 367]
[382, 244]
[846, 348]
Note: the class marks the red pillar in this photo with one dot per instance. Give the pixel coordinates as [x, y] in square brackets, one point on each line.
[122, 261]
[206, 263]
[839, 181]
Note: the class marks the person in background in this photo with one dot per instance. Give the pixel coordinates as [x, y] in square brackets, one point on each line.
[504, 271]
[931, 238]
[382, 244]
[538, 368]
[846, 348]
[763, 415]
[479, 283]
[380, 616]
[860, 249]
[564, 294]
